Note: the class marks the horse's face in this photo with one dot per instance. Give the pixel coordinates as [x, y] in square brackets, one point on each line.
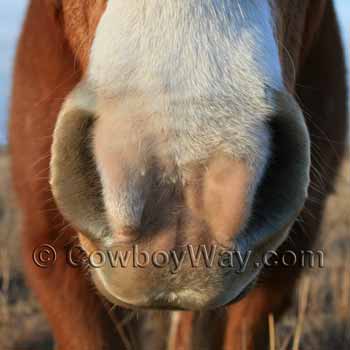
[181, 136]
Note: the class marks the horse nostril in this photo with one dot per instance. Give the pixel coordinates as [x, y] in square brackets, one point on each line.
[283, 190]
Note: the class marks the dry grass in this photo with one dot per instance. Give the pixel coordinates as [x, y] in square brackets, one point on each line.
[319, 319]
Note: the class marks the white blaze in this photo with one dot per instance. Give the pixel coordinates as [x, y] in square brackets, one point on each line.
[178, 43]
[198, 72]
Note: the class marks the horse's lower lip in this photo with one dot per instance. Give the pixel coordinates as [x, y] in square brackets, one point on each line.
[158, 305]
[164, 305]
[174, 307]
